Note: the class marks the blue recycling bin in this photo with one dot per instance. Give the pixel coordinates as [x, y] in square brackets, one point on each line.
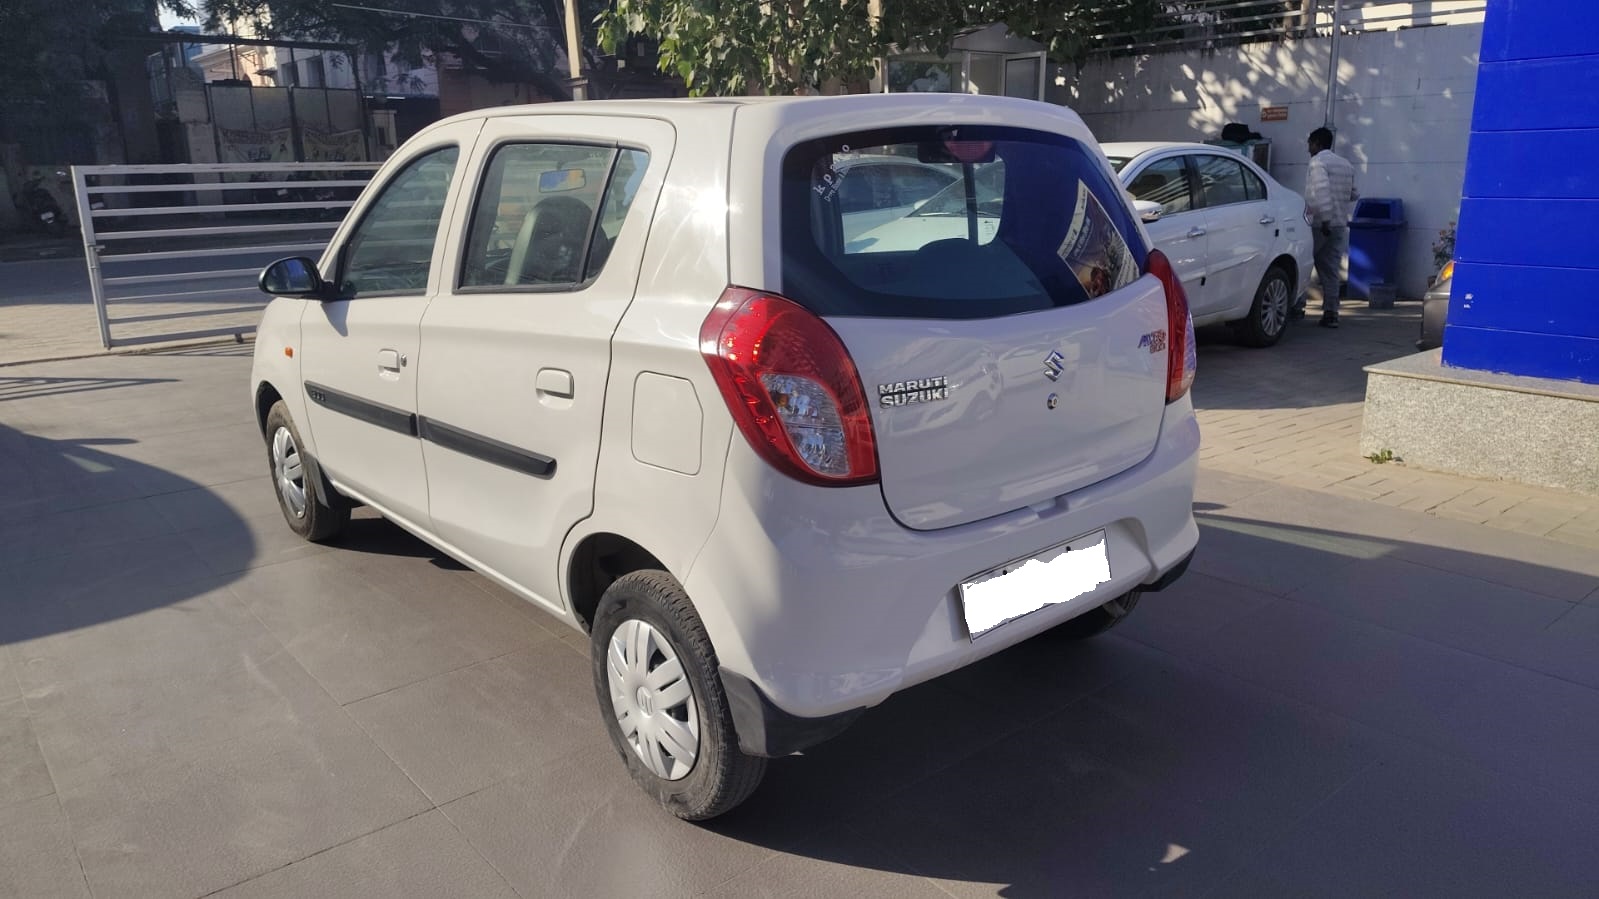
[1374, 233]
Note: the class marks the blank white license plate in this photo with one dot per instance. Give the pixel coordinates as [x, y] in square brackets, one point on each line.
[1020, 588]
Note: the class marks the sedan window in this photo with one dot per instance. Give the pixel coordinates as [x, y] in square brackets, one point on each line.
[1253, 184]
[1164, 181]
[1222, 180]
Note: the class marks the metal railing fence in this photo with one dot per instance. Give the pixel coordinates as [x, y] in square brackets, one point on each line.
[204, 226]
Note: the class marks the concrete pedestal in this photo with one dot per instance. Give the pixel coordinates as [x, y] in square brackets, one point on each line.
[1484, 425]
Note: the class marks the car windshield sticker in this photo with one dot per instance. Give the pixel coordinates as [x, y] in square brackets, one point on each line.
[827, 183]
[1094, 248]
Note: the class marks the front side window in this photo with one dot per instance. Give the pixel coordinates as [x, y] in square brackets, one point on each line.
[1222, 180]
[547, 214]
[1164, 181]
[391, 250]
[1025, 220]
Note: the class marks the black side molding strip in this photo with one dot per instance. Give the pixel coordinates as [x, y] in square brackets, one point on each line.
[386, 417]
[486, 448]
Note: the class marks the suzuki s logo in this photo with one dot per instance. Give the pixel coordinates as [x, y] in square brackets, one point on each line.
[1054, 364]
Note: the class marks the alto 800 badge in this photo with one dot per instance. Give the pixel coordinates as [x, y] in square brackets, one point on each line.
[916, 390]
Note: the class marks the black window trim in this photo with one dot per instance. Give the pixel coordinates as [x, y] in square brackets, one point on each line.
[570, 287]
[342, 255]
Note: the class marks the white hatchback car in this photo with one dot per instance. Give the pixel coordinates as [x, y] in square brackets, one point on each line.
[1239, 241]
[617, 357]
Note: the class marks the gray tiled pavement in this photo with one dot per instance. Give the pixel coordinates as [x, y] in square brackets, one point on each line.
[1342, 698]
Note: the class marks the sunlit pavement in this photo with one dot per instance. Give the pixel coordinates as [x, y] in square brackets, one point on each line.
[1342, 698]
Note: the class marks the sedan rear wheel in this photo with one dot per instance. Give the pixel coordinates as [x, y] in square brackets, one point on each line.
[1268, 317]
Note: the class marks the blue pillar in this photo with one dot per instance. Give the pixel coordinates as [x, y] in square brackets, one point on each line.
[1525, 298]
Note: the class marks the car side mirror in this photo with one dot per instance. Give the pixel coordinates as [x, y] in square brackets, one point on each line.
[295, 276]
[1148, 210]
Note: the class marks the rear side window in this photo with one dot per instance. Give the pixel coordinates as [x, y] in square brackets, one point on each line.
[1016, 221]
[1223, 180]
[547, 215]
[1253, 186]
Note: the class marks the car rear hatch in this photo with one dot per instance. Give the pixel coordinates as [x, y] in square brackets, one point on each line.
[1007, 338]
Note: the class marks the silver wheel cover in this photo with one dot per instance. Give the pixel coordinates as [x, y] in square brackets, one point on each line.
[652, 699]
[288, 470]
[1274, 307]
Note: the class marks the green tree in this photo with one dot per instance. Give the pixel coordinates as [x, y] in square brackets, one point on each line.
[741, 47]
[507, 40]
[789, 46]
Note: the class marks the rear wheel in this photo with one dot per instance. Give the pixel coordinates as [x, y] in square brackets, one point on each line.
[1268, 317]
[656, 679]
[1100, 620]
[312, 508]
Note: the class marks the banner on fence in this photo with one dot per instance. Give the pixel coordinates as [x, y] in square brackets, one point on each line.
[255, 146]
[334, 146]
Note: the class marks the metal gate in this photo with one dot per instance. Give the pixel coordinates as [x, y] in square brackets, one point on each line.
[154, 283]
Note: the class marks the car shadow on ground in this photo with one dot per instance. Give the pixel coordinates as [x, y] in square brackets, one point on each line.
[90, 536]
[372, 534]
[1272, 725]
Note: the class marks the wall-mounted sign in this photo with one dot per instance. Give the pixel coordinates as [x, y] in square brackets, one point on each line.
[1274, 113]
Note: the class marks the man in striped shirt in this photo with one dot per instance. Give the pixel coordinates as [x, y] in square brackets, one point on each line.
[1330, 192]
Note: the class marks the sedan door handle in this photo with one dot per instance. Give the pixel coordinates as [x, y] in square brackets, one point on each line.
[390, 360]
[1196, 232]
[1267, 220]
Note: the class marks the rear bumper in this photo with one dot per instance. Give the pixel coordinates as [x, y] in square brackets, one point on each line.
[825, 605]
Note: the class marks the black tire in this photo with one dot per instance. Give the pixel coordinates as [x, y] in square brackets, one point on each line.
[721, 776]
[321, 512]
[1268, 316]
[1100, 620]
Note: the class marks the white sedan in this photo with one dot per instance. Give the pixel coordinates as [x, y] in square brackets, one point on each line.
[1240, 242]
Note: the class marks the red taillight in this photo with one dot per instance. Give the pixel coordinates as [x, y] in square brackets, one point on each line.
[1180, 361]
[792, 388]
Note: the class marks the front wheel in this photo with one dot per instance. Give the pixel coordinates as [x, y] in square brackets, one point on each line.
[1268, 317]
[310, 506]
[656, 678]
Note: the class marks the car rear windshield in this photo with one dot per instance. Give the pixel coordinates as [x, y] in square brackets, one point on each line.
[1026, 220]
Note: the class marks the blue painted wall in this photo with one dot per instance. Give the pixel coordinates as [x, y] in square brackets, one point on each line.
[1525, 297]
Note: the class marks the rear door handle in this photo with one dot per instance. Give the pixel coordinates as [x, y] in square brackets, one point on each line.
[1267, 220]
[390, 360]
[555, 382]
[1196, 232]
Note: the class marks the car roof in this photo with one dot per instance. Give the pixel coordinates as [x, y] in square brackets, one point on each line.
[1135, 149]
[690, 110]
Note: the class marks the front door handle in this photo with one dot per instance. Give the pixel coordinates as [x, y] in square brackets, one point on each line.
[1267, 220]
[390, 360]
[555, 382]
[1196, 232]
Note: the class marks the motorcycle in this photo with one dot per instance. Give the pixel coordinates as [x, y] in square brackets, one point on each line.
[40, 208]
